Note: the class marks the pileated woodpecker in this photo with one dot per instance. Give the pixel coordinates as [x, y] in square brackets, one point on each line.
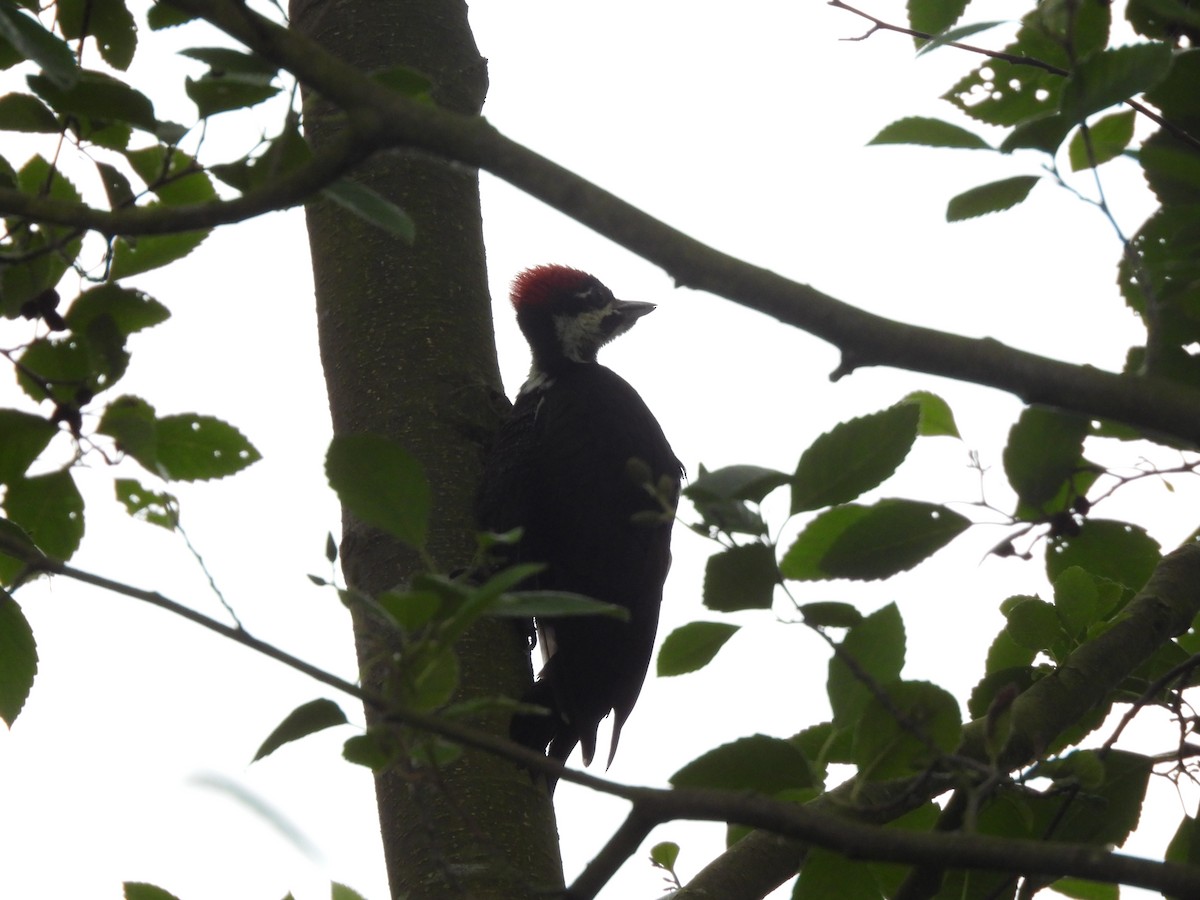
[583, 467]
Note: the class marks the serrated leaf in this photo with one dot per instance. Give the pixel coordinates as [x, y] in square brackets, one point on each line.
[192, 447]
[1033, 624]
[174, 176]
[144, 253]
[953, 35]
[1118, 551]
[135, 890]
[23, 437]
[741, 577]
[99, 98]
[109, 23]
[890, 537]
[876, 646]
[530, 604]
[830, 614]
[929, 132]
[221, 92]
[930, 725]
[853, 457]
[227, 59]
[131, 310]
[692, 646]
[34, 42]
[759, 763]
[802, 562]
[15, 548]
[1185, 844]
[1005, 653]
[50, 509]
[372, 207]
[996, 196]
[1076, 599]
[1112, 76]
[18, 659]
[1044, 451]
[116, 186]
[381, 483]
[130, 421]
[24, 112]
[306, 719]
[743, 482]
[936, 417]
[156, 507]
[1108, 139]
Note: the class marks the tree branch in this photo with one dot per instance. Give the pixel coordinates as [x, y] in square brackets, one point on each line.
[1155, 406]
[287, 191]
[1166, 606]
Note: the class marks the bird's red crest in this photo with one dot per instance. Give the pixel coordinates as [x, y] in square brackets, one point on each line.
[539, 285]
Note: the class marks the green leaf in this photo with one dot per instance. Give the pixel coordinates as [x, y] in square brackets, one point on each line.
[341, 892]
[875, 648]
[372, 207]
[803, 559]
[692, 646]
[116, 185]
[1118, 551]
[527, 604]
[382, 484]
[306, 719]
[130, 421]
[18, 659]
[19, 549]
[954, 34]
[830, 614]
[1076, 599]
[34, 42]
[1108, 137]
[1005, 653]
[1078, 889]
[50, 509]
[1112, 76]
[157, 508]
[192, 447]
[217, 92]
[130, 310]
[741, 577]
[1185, 845]
[135, 890]
[934, 16]
[765, 765]
[174, 176]
[24, 112]
[929, 132]
[664, 855]
[989, 198]
[109, 22]
[826, 875]
[1172, 168]
[854, 457]
[98, 98]
[929, 726]
[406, 81]
[1033, 623]
[936, 417]
[227, 59]
[144, 253]
[1044, 451]
[890, 537]
[751, 483]
[23, 437]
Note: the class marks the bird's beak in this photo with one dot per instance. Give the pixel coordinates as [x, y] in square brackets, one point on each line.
[633, 309]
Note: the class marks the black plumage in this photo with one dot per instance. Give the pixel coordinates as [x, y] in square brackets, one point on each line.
[561, 469]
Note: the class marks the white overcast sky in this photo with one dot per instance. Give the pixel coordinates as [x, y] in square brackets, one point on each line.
[745, 126]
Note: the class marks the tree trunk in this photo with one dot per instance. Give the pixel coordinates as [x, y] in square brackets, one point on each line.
[408, 352]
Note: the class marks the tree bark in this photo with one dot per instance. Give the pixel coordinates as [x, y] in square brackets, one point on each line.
[409, 352]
